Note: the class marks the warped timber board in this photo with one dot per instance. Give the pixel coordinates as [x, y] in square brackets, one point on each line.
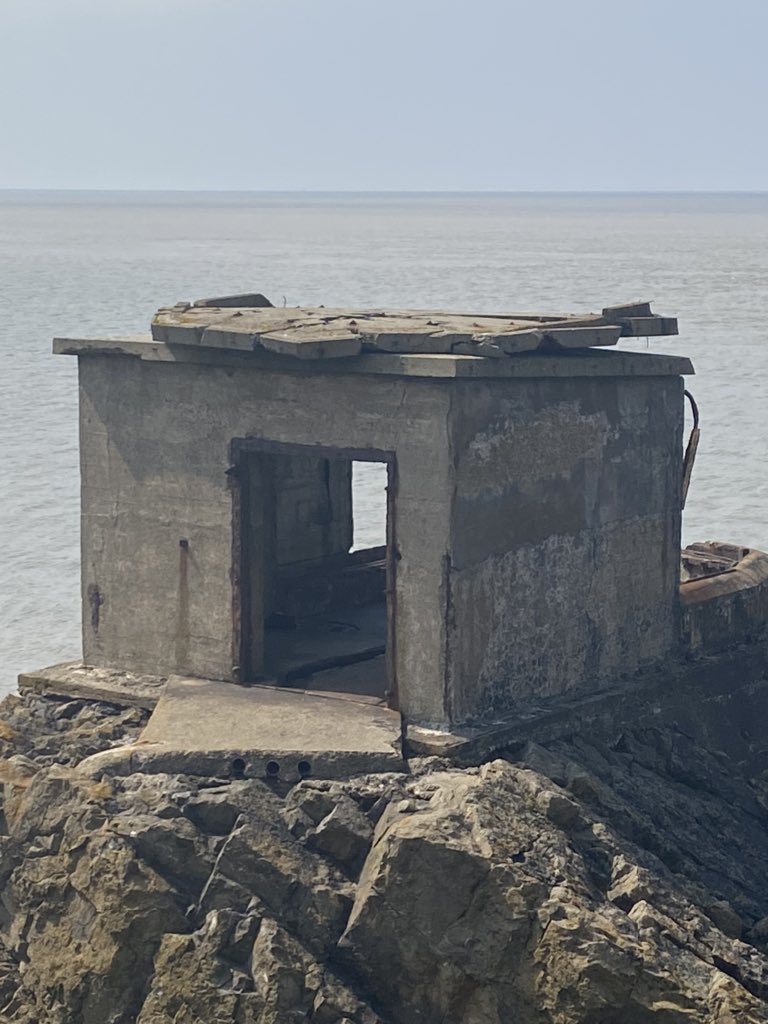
[320, 333]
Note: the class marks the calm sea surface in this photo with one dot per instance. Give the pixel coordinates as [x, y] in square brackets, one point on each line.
[91, 263]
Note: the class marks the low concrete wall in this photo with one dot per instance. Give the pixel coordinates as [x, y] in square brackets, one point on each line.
[731, 608]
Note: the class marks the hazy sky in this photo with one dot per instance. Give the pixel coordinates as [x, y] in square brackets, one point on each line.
[384, 94]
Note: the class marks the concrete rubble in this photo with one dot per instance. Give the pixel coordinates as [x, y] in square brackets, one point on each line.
[590, 879]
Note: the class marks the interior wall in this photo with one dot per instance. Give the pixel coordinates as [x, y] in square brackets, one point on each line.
[313, 506]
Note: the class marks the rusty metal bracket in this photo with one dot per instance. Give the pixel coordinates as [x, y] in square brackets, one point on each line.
[691, 448]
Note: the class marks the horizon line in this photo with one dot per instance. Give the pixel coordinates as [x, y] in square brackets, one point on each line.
[389, 191]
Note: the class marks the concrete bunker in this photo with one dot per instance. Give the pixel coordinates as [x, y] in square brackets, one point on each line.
[535, 481]
[531, 470]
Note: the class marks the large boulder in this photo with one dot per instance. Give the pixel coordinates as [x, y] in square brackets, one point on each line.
[475, 907]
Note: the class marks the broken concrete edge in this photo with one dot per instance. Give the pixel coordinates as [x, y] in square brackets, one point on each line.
[75, 680]
[284, 766]
[668, 690]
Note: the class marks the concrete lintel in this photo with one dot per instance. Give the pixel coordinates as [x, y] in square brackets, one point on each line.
[584, 363]
[75, 680]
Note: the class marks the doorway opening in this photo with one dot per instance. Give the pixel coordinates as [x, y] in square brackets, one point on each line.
[315, 568]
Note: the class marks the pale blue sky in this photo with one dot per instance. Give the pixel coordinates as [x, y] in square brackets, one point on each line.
[357, 94]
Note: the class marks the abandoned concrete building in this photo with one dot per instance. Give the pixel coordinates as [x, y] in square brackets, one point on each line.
[533, 507]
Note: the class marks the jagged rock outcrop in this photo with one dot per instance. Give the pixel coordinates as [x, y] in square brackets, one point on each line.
[577, 883]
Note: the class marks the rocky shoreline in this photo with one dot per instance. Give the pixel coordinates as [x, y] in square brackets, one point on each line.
[591, 881]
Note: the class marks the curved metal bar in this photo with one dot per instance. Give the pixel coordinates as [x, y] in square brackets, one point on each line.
[694, 408]
[690, 451]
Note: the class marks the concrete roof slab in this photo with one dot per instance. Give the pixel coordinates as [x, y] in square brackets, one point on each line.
[434, 366]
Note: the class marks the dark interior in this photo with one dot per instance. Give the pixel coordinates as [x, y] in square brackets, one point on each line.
[327, 614]
[318, 622]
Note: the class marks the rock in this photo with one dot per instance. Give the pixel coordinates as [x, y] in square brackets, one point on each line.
[10, 983]
[280, 969]
[261, 858]
[631, 885]
[173, 848]
[560, 809]
[92, 933]
[584, 785]
[189, 985]
[196, 980]
[726, 919]
[334, 1001]
[546, 763]
[232, 934]
[314, 802]
[68, 710]
[52, 797]
[299, 824]
[214, 811]
[595, 883]
[344, 835]
[524, 935]
[52, 731]
[300, 890]
[11, 854]
[440, 950]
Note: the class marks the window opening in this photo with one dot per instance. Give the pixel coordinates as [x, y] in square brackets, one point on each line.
[369, 495]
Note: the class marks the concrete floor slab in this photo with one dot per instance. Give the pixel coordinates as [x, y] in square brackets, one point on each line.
[325, 641]
[204, 727]
[75, 680]
[363, 681]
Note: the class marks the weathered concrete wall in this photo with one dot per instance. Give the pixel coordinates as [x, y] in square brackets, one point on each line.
[155, 455]
[719, 612]
[565, 545]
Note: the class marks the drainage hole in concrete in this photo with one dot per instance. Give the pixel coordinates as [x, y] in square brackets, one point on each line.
[237, 768]
[273, 768]
[305, 769]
